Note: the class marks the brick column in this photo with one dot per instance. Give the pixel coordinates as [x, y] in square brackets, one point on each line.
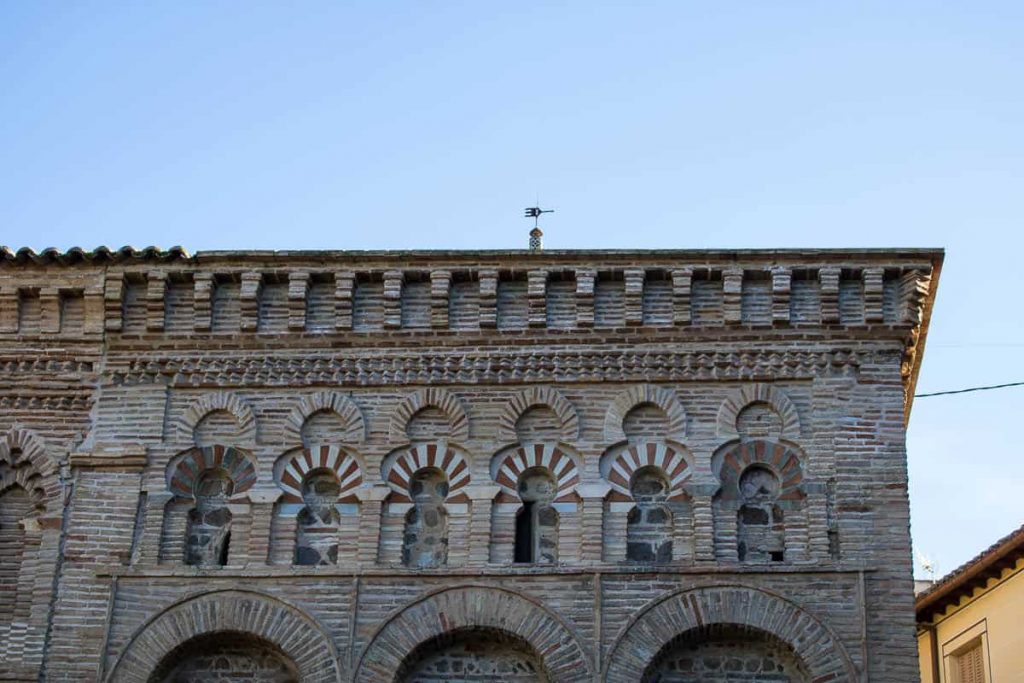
[147, 552]
[203, 311]
[113, 302]
[536, 289]
[393, 299]
[829, 295]
[156, 294]
[298, 289]
[344, 284]
[873, 294]
[703, 520]
[371, 501]
[782, 283]
[93, 301]
[488, 299]
[440, 285]
[482, 500]
[8, 309]
[732, 295]
[585, 278]
[592, 542]
[261, 511]
[249, 300]
[49, 310]
[634, 295]
[682, 282]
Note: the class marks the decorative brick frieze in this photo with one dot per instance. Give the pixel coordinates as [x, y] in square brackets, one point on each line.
[829, 278]
[782, 279]
[682, 280]
[634, 295]
[393, 280]
[344, 287]
[249, 295]
[298, 290]
[440, 285]
[203, 302]
[585, 279]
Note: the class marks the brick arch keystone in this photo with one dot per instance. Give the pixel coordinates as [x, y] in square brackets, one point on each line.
[664, 398]
[468, 607]
[40, 478]
[436, 397]
[332, 401]
[538, 396]
[739, 399]
[297, 634]
[211, 402]
[668, 617]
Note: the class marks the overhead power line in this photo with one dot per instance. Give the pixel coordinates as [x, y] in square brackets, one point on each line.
[965, 391]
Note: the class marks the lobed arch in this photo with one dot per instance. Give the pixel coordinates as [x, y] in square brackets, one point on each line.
[28, 465]
[747, 394]
[618, 465]
[300, 637]
[212, 402]
[463, 608]
[624, 402]
[784, 459]
[185, 468]
[400, 465]
[538, 396]
[642, 639]
[508, 465]
[291, 469]
[443, 400]
[331, 401]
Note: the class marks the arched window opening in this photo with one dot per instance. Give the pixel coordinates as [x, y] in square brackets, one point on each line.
[649, 524]
[425, 543]
[15, 506]
[226, 656]
[760, 530]
[209, 522]
[537, 520]
[473, 656]
[317, 538]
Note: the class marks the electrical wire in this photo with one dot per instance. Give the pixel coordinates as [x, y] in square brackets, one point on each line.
[965, 391]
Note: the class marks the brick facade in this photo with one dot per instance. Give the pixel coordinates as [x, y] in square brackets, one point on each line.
[458, 466]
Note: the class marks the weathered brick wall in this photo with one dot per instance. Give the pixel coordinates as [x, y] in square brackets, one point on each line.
[125, 376]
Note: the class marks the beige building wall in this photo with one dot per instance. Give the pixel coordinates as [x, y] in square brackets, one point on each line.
[994, 615]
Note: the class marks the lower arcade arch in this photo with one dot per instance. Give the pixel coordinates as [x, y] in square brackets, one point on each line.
[726, 653]
[473, 655]
[715, 633]
[226, 656]
[255, 631]
[484, 626]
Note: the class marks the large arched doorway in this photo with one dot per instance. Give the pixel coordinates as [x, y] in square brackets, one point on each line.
[473, 656]
[726, 653]
[224, 657]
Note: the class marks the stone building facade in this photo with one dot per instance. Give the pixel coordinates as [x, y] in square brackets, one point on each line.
[369, 467]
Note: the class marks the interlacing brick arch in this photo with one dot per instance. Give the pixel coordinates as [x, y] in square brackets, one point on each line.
[292, 468]
[470, 609]
[299, 636]
[749, 394]
[783, 459]
[644, 394]
[332, 401]
[555, 458]
[24, 462]
[445, 401]
[185, 469]
[533, 397]
[400, 465]
[667, 618]
[219, 401]
[622, 464]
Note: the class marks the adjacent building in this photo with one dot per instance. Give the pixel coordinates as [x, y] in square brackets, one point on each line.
[969, 622]
[562, 466]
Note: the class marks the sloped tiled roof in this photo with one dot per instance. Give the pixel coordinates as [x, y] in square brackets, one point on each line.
[972, 574]
[97, 255]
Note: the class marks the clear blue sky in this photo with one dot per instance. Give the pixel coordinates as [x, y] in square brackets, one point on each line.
[676, 124]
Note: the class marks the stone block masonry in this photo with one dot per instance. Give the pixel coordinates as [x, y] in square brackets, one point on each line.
[572, 466]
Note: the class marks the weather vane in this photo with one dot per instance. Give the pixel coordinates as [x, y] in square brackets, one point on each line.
[536, 234]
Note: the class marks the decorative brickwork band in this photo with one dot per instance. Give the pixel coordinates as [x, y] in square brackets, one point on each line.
[186, 468]
[538, 396]
[399, 467]
[666, 399]
[547, 456]
[668, 618]
[758, 393]
[301, 639]
[291, 471]
[445, 401]
[468, 609]
[331, 401]
[670, 460]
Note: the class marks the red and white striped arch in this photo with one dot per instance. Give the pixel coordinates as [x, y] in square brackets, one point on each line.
[398, 470]
[779, 457]
[671, 461]
[345, 467]
[549, 456]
